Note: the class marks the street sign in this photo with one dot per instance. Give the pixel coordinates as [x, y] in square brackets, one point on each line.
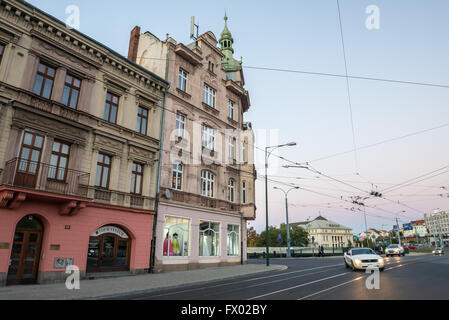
[280, 238]
[396, 228]
[407, 227]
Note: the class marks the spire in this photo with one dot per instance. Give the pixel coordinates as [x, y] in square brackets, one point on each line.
[226, 42]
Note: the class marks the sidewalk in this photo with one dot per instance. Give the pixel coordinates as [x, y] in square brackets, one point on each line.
[92, 289]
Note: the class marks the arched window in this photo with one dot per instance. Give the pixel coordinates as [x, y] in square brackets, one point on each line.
[207, 183]
[231, 190]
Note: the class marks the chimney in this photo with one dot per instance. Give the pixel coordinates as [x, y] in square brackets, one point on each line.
[134, 44]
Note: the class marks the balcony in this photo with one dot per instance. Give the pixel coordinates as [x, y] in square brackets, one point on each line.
[201, 201]
[122, 199]
[24, 179]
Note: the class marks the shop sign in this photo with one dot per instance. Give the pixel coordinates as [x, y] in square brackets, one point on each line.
[110, 229]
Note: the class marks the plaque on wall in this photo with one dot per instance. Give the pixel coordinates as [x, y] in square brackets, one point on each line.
[59, 263]
[4, 245]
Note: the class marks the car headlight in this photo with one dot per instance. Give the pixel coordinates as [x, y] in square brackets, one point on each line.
[357, 262]
[381, 261]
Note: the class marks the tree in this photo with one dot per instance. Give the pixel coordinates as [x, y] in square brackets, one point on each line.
[252, 237]
[298, 237]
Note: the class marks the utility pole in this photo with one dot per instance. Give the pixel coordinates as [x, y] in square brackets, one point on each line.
[399, 232]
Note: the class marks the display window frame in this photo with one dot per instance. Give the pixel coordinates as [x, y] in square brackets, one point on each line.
[189, 237]
[239, 235]
[219, 251]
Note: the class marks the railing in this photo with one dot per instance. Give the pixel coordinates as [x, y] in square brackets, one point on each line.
[122, 199]
[199, 200]
[44, 177]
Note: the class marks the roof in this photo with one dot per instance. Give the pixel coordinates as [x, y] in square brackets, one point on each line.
[321, 222]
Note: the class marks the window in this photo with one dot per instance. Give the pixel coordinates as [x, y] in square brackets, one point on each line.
[209, 96]
[176, 232]
[111, 107]
[211, 66]
[243, 192]
[44, 81]
[180, 125]
[142, 120]
[231, 149]
[233, 240]
[136, 178]
[208, 137]
[59, 161]
[30, 153]
[243, 148]
[177, 176]
[2, 50]
[231, 190]
[230, 109]
[71, 91]
[207, 183]
[103, 171]
[209, 239]
[182, 80]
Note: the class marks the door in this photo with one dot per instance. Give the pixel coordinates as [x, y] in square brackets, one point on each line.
[108, 252]
[25, 253]
[30, 155]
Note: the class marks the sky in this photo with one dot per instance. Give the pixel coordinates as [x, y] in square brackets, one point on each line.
[313, 110]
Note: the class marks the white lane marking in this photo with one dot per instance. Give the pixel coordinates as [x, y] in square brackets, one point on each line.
[298, 286]
[274, 281]
[341, 284]
[241, 281]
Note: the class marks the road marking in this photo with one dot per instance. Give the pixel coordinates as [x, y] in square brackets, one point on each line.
[341, 284]
[241, 281]
[300, 276]
[298, 286]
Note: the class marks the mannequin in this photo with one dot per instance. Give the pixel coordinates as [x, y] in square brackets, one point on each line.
[175, 245]
[168, 247]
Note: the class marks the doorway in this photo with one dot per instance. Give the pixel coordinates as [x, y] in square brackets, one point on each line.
[26, 250]
[108, 252]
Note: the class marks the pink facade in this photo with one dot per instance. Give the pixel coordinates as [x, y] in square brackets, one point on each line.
[73, 242]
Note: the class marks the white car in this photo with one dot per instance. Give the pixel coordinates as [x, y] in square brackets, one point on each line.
[394, 250]
[363, 258]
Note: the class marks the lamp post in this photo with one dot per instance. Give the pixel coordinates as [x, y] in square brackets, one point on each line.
[286, 216]
[267, 155]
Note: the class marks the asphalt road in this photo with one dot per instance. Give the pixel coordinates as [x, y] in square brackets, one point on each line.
[411, 277]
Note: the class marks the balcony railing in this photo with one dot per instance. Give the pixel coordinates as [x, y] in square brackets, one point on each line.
[44, 177]
[122, 199]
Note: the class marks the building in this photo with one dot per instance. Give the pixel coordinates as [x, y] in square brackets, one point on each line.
[326, 233]
[79, 151]
[207, 175]
[418, 229]
[437, 224]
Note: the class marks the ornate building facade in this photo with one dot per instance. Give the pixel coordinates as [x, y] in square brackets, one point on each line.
[207, 174]
[79, 147]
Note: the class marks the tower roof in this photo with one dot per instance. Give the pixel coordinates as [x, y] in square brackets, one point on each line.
[226, 41]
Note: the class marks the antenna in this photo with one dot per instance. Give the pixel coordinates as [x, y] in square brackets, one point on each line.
[192, 29]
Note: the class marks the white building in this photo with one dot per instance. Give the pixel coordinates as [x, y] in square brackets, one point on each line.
[326, 233]
[438, 223]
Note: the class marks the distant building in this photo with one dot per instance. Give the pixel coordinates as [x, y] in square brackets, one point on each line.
[437, 223]
[326, 233]
[419, 229]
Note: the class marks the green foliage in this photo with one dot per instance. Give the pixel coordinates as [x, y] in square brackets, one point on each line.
[298, 237]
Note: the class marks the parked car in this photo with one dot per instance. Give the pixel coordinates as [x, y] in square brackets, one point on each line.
[410, 247]
[394, 250]
[363, 258]
[438, 251]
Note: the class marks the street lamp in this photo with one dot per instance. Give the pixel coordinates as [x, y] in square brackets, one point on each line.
[267, 155]
[286, 215]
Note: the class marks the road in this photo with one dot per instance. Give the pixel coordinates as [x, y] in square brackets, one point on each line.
[411, 277]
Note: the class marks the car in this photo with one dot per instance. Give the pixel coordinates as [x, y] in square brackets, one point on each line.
[394, 250]
[363, 258]
[438, 251]
[411, 247]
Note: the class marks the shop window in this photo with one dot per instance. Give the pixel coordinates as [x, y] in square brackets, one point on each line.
[43, 84]
[176, 241]
[233, 240]
[209, 239]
